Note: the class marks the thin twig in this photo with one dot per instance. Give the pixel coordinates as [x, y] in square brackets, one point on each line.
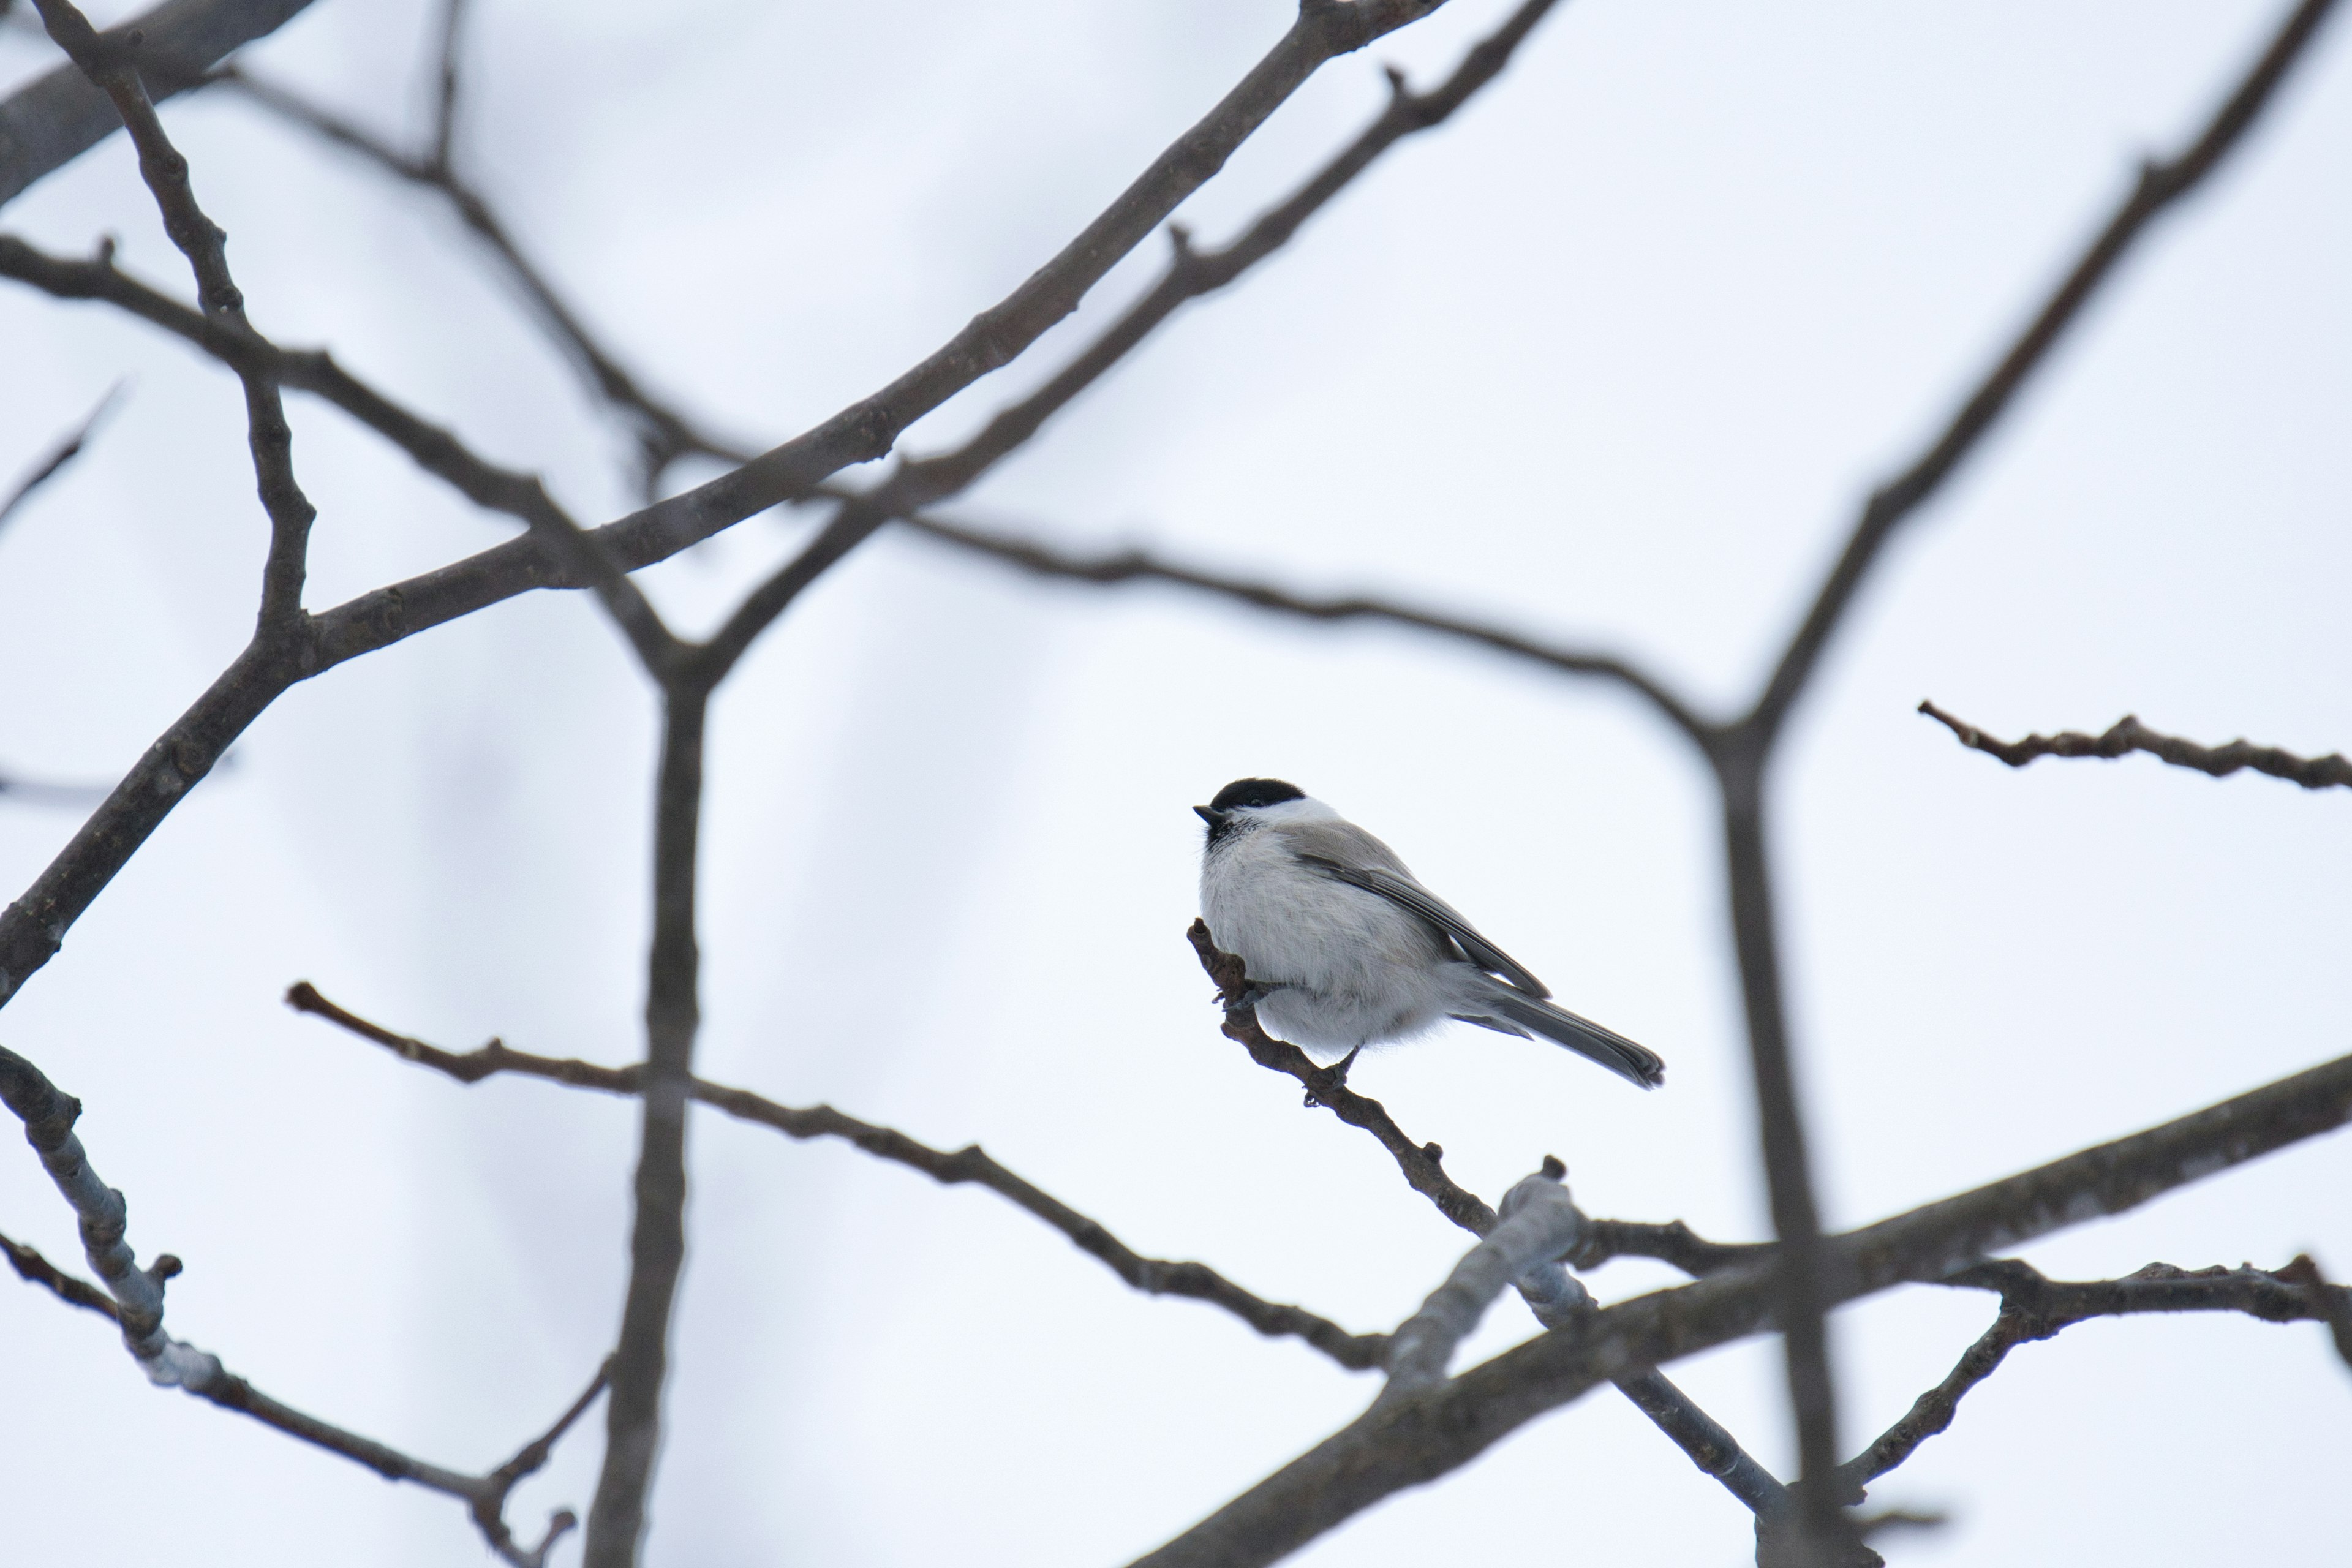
[1137, 565]
[31, 1267]
[445, 101]
[662, 433]
[1189, 274]
[431, 447]
[2034, 1308]
[970, 1164]
[2128, 734]
[111, 65]
[489, 1510]
[65, 450]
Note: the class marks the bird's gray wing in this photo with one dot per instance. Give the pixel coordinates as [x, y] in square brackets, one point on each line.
[1344, 851]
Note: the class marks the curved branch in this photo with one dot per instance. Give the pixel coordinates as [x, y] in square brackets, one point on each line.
[1140, 567]
[973, 1164]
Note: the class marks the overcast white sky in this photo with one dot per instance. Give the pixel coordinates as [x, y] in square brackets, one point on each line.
[1613, 357]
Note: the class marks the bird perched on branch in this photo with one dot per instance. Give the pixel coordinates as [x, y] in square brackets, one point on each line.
[1346, 949]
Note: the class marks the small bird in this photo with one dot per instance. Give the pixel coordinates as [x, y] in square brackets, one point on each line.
[1345, 949]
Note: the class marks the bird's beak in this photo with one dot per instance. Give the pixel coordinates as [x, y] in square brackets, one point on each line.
[1209, 814]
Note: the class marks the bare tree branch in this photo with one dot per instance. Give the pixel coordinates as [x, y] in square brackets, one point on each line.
[616, 1517]
[1417, 1438]
[2161, 183]
[46, 125]
[1189, 274]
[2128, 734]
[1672, 1243]
[32, 928]
[445, 101]
[1138, 566]
[1743, 751]
[2304, 1271]
[1419, 1162]
[431, 447]
[2034, 1308]
[973, 1164]
[1710, 1447]
[663, 434]
[110, 63]
[65, 450]
[136, 1304]
[71, 1289]
[1557, 1301]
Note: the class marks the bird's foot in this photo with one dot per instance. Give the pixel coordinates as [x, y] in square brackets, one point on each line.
[1338, 1071]
[1252, 993]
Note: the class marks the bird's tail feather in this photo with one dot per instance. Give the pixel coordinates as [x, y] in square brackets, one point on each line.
[1586, 1038]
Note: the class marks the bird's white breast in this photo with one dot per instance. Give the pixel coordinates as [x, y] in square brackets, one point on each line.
[1358, 967]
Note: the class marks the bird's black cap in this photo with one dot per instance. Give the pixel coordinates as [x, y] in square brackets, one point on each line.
[1249, 792]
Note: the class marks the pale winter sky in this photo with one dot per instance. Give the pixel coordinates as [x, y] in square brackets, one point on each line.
[1613, 358]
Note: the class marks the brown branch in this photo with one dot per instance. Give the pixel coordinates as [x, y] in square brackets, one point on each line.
[2034, 1308]
[1416, 1439]
[71, 1289]
[1189, 274]
[54, 120]
[2337, 1309]
[1138, 566]
[1419, 1162]
[2128, 734]
[970, 1164]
